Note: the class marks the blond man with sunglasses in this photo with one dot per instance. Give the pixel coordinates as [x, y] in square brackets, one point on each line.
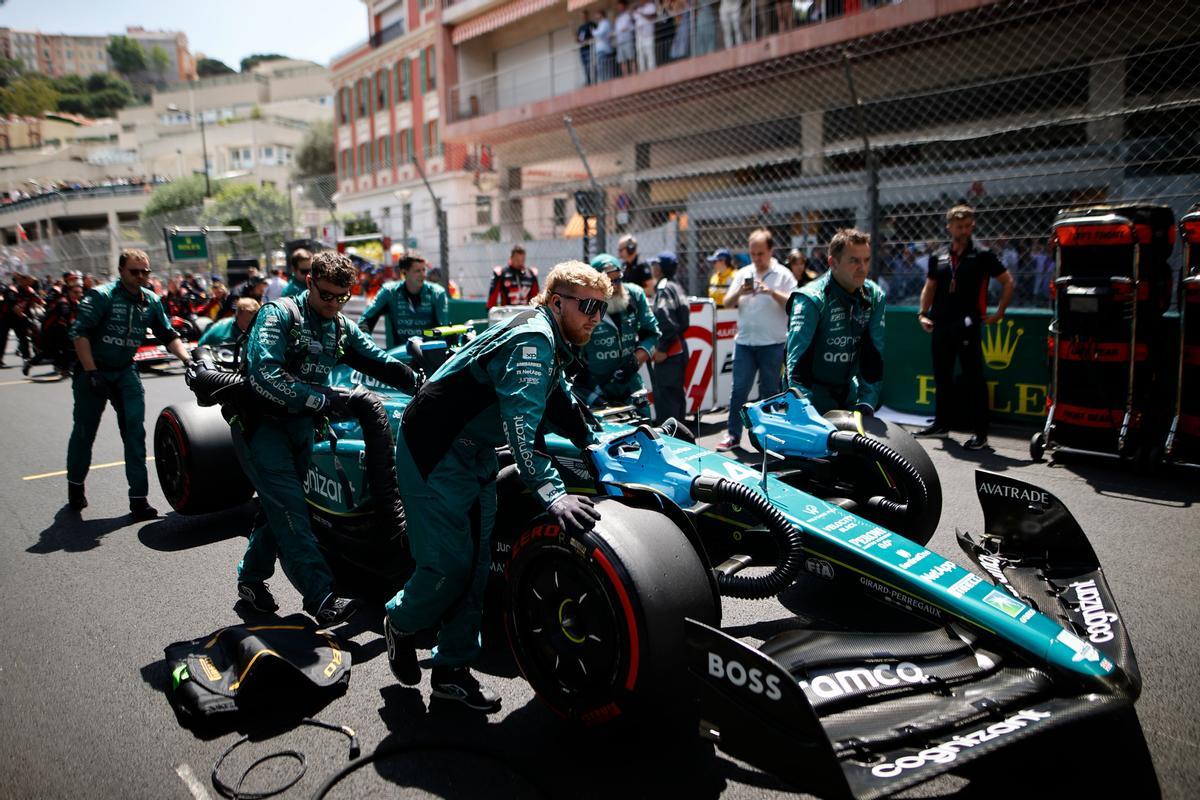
[290, 353]
[499, 389]
[108, 330]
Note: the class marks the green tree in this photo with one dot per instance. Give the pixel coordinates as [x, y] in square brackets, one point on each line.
[261, 211]
[360, 226]
[100, 95]
[251, 61]
[177, 203]
[127, 55]
[207, 67]
[10, 70]
[30, 95]
[160, 62]
[70, 84]
[315, 155]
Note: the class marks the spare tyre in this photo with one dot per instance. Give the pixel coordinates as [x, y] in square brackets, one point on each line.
[193, 455]
[595, 619]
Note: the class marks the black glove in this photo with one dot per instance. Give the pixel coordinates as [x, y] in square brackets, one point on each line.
[628, 368]
[574, 513]
[403, 377]
[866, 409]
[190, 370]
[97, 385]
[337, 401]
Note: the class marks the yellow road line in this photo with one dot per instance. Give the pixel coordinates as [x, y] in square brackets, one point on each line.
[64, 472]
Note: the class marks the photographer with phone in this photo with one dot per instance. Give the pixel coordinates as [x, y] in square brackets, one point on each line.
[759, 291]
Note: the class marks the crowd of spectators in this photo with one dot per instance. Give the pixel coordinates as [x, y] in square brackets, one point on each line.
[638, 35]
[31, 189]
[903, 267]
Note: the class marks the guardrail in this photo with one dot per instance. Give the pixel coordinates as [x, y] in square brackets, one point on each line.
[59, 196]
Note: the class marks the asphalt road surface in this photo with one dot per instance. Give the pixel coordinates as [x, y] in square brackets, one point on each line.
[87, 604]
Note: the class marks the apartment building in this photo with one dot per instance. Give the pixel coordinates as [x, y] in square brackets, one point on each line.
[58, 54]
[389, 101]
[858, 114]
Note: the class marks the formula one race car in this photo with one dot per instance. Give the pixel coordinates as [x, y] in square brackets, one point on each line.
[605, 624]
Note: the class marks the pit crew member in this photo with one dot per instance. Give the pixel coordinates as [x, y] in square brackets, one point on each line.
[108, 329]
[499, 389]
[835, 330]
[410, 306]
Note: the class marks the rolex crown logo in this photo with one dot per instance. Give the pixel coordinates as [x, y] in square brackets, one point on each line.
[999, 344]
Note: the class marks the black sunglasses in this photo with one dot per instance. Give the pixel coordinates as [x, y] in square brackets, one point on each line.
[331, 297]
[137, 272]
[587, 306]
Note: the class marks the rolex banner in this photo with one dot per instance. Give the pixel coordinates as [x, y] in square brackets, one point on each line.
[1014, 364]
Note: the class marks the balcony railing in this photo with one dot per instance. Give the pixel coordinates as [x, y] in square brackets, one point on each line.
[688, 33]
[387, 34]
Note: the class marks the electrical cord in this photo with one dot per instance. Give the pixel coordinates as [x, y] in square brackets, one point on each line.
[236, 793]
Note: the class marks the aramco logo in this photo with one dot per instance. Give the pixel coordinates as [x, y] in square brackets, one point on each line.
[999, 344]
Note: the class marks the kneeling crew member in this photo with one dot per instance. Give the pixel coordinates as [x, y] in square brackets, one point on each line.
[498, 389]
[229, 331]
[411, 306]
[288, 358]
[620, 344]
[107, 331]
[835, 332]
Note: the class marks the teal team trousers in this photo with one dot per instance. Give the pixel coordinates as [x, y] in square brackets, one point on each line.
[276, 460]
[450, 517]
[128, 399]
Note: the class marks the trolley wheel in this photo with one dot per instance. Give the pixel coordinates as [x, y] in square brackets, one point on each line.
[1147, 459]
[1037, 446]
[595, 620]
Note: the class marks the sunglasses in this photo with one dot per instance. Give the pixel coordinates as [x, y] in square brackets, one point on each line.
[588, 306]
[304, 271]
[331, 297]
[136, 272]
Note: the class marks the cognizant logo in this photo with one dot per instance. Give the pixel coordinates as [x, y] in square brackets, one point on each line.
[946, 752]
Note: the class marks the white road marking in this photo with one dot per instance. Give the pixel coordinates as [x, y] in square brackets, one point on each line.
[189, 780]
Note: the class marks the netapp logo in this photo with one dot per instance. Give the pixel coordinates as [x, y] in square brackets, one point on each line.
[752, 679]
[1014, 493]
[861, 679]
[946, 752]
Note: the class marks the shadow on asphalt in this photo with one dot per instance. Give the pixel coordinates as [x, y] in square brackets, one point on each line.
[71, 534]
[1108, 476]
[175, 532]
[451, 752]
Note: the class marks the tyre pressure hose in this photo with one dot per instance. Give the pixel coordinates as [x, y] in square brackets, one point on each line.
[875, 450]
[380, 460]
[787, 537]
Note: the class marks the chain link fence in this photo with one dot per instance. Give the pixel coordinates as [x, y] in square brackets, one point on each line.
[265, 228]
[1019, 108]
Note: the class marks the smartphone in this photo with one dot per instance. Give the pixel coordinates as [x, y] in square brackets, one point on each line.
[749, 283]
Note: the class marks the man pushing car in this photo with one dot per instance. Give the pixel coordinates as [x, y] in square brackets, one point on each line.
[289, 354]
[499, 389]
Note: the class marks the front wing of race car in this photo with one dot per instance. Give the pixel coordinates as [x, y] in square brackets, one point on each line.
[866, 715]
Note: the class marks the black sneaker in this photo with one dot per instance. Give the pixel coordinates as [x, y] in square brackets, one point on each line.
[933, 430]
[257, 595]
[335, 609]
[457, 683]
[75, 496]
[402, 654]
[975, 443]
[140, 510]
[25, 365]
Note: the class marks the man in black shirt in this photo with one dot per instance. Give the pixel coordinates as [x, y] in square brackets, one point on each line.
[954, 309]
[636, 271]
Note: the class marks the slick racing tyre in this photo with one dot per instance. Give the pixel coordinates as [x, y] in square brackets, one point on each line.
[595, 620]
[193, 455]
[867, 478]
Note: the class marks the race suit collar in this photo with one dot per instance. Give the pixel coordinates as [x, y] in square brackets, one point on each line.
[139, 298]
[832, 287]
